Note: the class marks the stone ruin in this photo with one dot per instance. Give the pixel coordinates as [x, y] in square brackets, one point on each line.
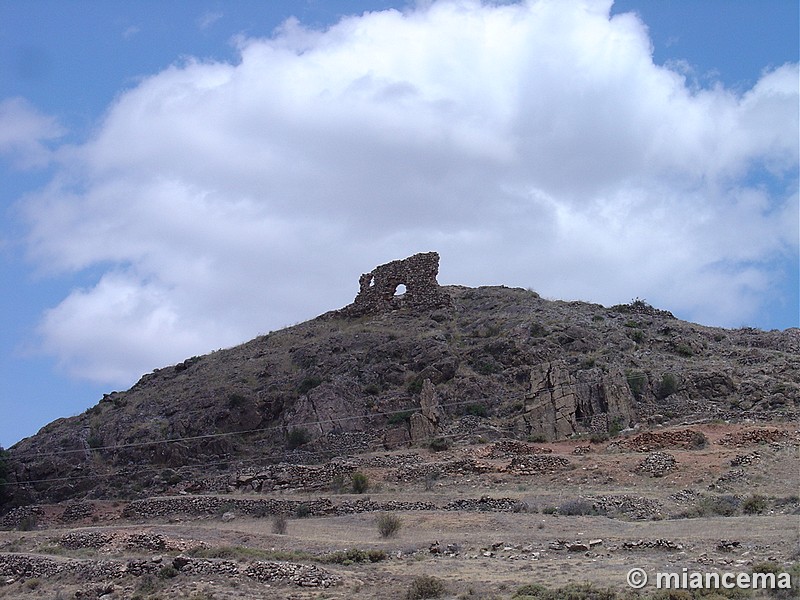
[378, 291]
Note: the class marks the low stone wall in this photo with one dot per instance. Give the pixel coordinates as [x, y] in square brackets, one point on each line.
[29, 566]
[216, 505]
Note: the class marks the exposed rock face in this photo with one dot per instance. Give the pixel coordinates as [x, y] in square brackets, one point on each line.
[425, 424]
[560, 405]
[379, 287]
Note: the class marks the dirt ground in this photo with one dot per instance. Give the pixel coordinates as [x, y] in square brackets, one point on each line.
[725, 507]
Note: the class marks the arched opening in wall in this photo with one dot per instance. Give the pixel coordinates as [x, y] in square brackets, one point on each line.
[401, 289]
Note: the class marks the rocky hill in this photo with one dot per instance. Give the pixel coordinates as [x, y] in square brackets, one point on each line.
[434, 365]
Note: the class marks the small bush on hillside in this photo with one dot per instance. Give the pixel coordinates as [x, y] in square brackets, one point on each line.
[425, 586]
[297, 437]
[236, 400]
[414, 386]
[637, 382]
[360, 482]
[668, 386]
[388, 524]
[578, 507]
[302, 511]
[308, 384]
[477, 410]
[354, 555]
[573, 591]
[439, 444]
[712, 506]
[400, 417]
[167, 572]
[279, 523]
[755, 505]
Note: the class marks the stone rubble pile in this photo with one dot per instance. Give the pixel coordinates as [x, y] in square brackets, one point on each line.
[537, 464]
[633, 507]
[507, 448]
[657, 464]
[648, 441]
[752, 437]
[745, 459]
[485, 503]
[659, 544]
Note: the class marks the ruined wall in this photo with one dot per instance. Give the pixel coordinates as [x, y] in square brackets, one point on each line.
[378, 288]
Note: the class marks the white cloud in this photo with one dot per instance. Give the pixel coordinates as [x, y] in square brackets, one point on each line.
[533, 144]
[24, 132]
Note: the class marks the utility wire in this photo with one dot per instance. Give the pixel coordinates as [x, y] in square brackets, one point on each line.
[273, 427]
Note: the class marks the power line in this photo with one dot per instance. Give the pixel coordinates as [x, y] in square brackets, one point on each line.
[275, 427]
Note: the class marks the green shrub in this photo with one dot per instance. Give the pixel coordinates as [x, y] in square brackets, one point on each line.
[487, 367]
[537, 438]
[573, 591]
[400, 417]
[538, 330]
[360, 482]
[668, 386]
[302, 510]
[425, 586]
[439, 444]
[170, 477]
[414, 386]
[236, 400]
[578, 507]
[297, 437]
[755, 505]
[308, 384]
[711, 506]
[549, 510]
[373, 389]
[167, 572]
[33, 583]
[637, 382]
[388, 524]
[476, 410]
[94, 440]
[28, 523]
[615, 427]
[354, 555]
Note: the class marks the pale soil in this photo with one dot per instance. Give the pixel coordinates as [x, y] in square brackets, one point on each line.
[497, 551]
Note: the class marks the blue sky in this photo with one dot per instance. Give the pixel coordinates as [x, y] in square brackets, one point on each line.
[183, 176]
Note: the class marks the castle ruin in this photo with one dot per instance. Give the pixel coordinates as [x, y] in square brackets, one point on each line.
[379, 288]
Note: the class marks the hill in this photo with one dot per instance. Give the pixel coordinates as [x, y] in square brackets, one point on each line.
[446, 364]
[443, 442]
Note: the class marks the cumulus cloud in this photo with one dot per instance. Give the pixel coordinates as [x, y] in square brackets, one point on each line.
[531, 144]
[24, 132]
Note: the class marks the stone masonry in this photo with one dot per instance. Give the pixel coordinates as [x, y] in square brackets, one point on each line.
[378, 288]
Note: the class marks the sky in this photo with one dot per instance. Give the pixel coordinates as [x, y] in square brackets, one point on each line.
[179, 177]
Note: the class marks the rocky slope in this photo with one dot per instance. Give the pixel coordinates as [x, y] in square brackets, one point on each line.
[442, 362]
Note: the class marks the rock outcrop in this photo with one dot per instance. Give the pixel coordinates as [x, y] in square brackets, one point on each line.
[560, 404]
